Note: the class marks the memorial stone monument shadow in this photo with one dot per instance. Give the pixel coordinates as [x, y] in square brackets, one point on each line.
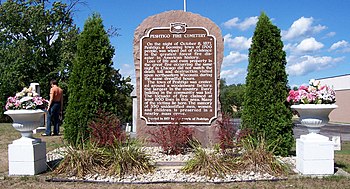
[178, 56]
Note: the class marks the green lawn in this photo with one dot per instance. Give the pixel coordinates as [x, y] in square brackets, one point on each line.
[8, 134]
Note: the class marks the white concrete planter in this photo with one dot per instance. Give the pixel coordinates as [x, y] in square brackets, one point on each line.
[315, 153]
[314, 116]
[27, 155]
[25, 121]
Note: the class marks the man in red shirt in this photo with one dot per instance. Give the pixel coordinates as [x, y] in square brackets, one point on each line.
[54, 109]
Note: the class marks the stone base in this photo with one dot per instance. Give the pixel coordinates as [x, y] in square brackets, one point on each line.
[27, 159]
[315, 155]
[315, 167]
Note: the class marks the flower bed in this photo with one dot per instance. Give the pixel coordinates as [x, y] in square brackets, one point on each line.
[161, 175]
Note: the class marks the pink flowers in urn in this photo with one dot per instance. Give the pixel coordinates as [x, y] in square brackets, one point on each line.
[315, 93]
[27, 99]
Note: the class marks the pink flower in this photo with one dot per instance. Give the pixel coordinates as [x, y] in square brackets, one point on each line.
[313, 94]
[305, 88]
[293, 96]
[324, 88]
[25, 100]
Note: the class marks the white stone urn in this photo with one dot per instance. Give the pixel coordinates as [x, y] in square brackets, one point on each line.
[25, 121]
[314, 116]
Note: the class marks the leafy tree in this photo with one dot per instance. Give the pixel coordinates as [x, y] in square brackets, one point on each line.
[231, 96]
[35, 44]
[265, 110]
[93, 83]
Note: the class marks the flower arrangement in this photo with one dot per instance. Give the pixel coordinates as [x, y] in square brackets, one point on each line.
[315, 93]
[27, 99]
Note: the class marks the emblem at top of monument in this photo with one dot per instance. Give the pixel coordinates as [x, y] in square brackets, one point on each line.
[178, 27]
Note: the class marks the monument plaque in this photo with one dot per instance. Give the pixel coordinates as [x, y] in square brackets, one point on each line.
[178, 75]
[177, 57]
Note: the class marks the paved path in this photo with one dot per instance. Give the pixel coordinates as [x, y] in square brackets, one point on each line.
[342, 130]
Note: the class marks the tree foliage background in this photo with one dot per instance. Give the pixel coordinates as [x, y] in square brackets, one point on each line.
[93, 83]
[265, 110]
[36, 44]
[231, 95]
[39, 42]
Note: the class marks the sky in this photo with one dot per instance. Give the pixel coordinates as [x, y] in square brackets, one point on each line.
[315, 33]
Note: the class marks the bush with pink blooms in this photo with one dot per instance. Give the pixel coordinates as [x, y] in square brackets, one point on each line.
[315, 93]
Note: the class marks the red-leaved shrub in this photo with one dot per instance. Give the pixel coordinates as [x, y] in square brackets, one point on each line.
[173, 138]
[105, 129]
[227, 132]
[229, 135]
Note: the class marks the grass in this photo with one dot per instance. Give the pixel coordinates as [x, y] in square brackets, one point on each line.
[8, 134]
[342, 157]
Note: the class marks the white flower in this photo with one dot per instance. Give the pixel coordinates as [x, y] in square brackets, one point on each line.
[26, 98]
[20, 94]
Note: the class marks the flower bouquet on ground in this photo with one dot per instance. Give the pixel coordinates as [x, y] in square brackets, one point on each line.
[27, 99]
[315, 93]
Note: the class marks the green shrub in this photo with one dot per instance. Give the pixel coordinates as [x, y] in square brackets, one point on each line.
[265, 109]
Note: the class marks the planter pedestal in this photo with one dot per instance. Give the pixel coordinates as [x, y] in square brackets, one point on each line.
[27, 158]
[27, 155]
[315, 155]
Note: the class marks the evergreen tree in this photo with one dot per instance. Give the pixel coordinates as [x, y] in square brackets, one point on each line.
[265, 110]
[92, 80]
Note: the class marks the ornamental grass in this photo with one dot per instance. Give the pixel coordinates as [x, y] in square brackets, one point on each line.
[117, 160]
[210, 163]
[83, 160]
[129, 159]
[258, 156]
[253, 155]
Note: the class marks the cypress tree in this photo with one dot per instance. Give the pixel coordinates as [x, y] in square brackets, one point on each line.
[265, 110]
[90, 83]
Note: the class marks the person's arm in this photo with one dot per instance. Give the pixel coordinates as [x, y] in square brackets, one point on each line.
[51, 98]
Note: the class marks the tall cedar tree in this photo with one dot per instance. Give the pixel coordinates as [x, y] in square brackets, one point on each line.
[265, 110]
[90, 85]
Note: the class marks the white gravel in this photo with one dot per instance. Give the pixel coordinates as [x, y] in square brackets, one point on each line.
[170, 175]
